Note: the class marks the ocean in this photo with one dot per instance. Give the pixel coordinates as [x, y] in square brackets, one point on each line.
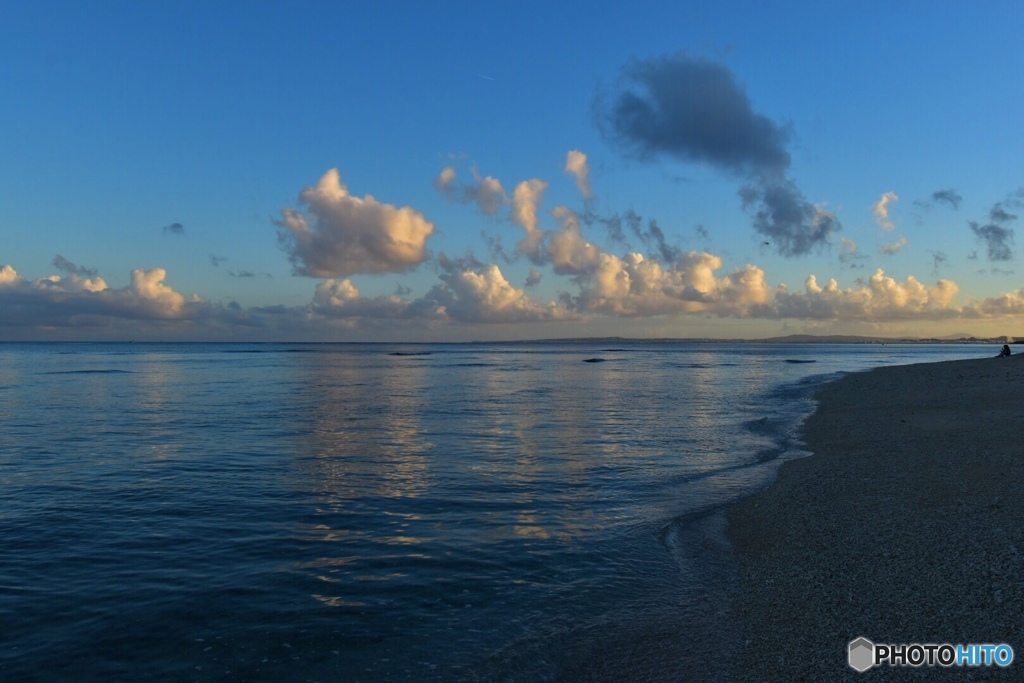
[544, 511]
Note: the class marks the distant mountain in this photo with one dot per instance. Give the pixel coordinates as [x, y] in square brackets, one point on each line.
[788, 339]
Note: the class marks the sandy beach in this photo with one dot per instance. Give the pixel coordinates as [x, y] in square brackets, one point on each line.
[905, 526]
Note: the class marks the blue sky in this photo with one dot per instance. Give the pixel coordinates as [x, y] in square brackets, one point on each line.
[685, 168]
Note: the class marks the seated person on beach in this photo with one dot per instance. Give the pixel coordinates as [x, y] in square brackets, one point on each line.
[1005, 351]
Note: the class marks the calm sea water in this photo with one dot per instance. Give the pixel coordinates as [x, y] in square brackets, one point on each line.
[478, 512]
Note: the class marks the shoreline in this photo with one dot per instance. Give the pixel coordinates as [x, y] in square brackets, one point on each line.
[903, 526]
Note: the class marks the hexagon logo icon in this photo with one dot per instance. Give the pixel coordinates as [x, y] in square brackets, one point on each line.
[862, 654]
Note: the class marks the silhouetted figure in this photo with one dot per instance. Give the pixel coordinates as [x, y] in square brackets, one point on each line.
[1005, 351]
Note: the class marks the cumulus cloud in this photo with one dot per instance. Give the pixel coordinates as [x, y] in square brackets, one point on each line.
[69, 300]
[343, 234]
[8, 276]
[148, 291]
[533, 278]
[576, 164]
[483, 295]
[881, 211]
[881, 298]
[469, 292]
[486, 192]
[568, 251]
[693, 110]
[341, 299]
[892, 248]
[1006, 304]
[174, 229]
[446, 183]
[635, 286]
[526, 199]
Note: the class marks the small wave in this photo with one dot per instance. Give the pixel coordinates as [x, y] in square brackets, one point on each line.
[87, 372]
[801, 360]
[594, 360]
[410, 353]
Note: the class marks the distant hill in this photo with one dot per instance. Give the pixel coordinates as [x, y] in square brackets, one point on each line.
[788, 339]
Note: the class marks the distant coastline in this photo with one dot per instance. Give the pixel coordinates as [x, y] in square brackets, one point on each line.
[787, 339]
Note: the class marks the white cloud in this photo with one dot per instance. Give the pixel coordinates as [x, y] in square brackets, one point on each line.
[8, 276]
[487, 193]
[148, 288]
[881, 210]
[483, 295]
[445, 182]
[351, 234]
[895, 246]
[69, 300]
[570, 253]
[1007, 304]
[526, 198]
[341, 299]
[881, 298]
[637, 286]
[576, 163]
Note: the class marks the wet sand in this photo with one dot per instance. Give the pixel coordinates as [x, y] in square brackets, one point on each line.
[906, 525]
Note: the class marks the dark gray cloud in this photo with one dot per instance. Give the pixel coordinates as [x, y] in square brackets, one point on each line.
[66, 266]
[652, 237]
[616, 224]
[792, 224]
[534, 278]
[215, 260]
[458, 264]
[949, 196]
[655, 240]
[702, 231]
[849, 254]
[998, 240]
[496, 247]
[939, 260]
[996, 234]
[174, 229]
[999, 214]
[242, 273]
[693, 110]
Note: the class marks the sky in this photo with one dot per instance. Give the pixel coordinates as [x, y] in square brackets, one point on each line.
[460, 171]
